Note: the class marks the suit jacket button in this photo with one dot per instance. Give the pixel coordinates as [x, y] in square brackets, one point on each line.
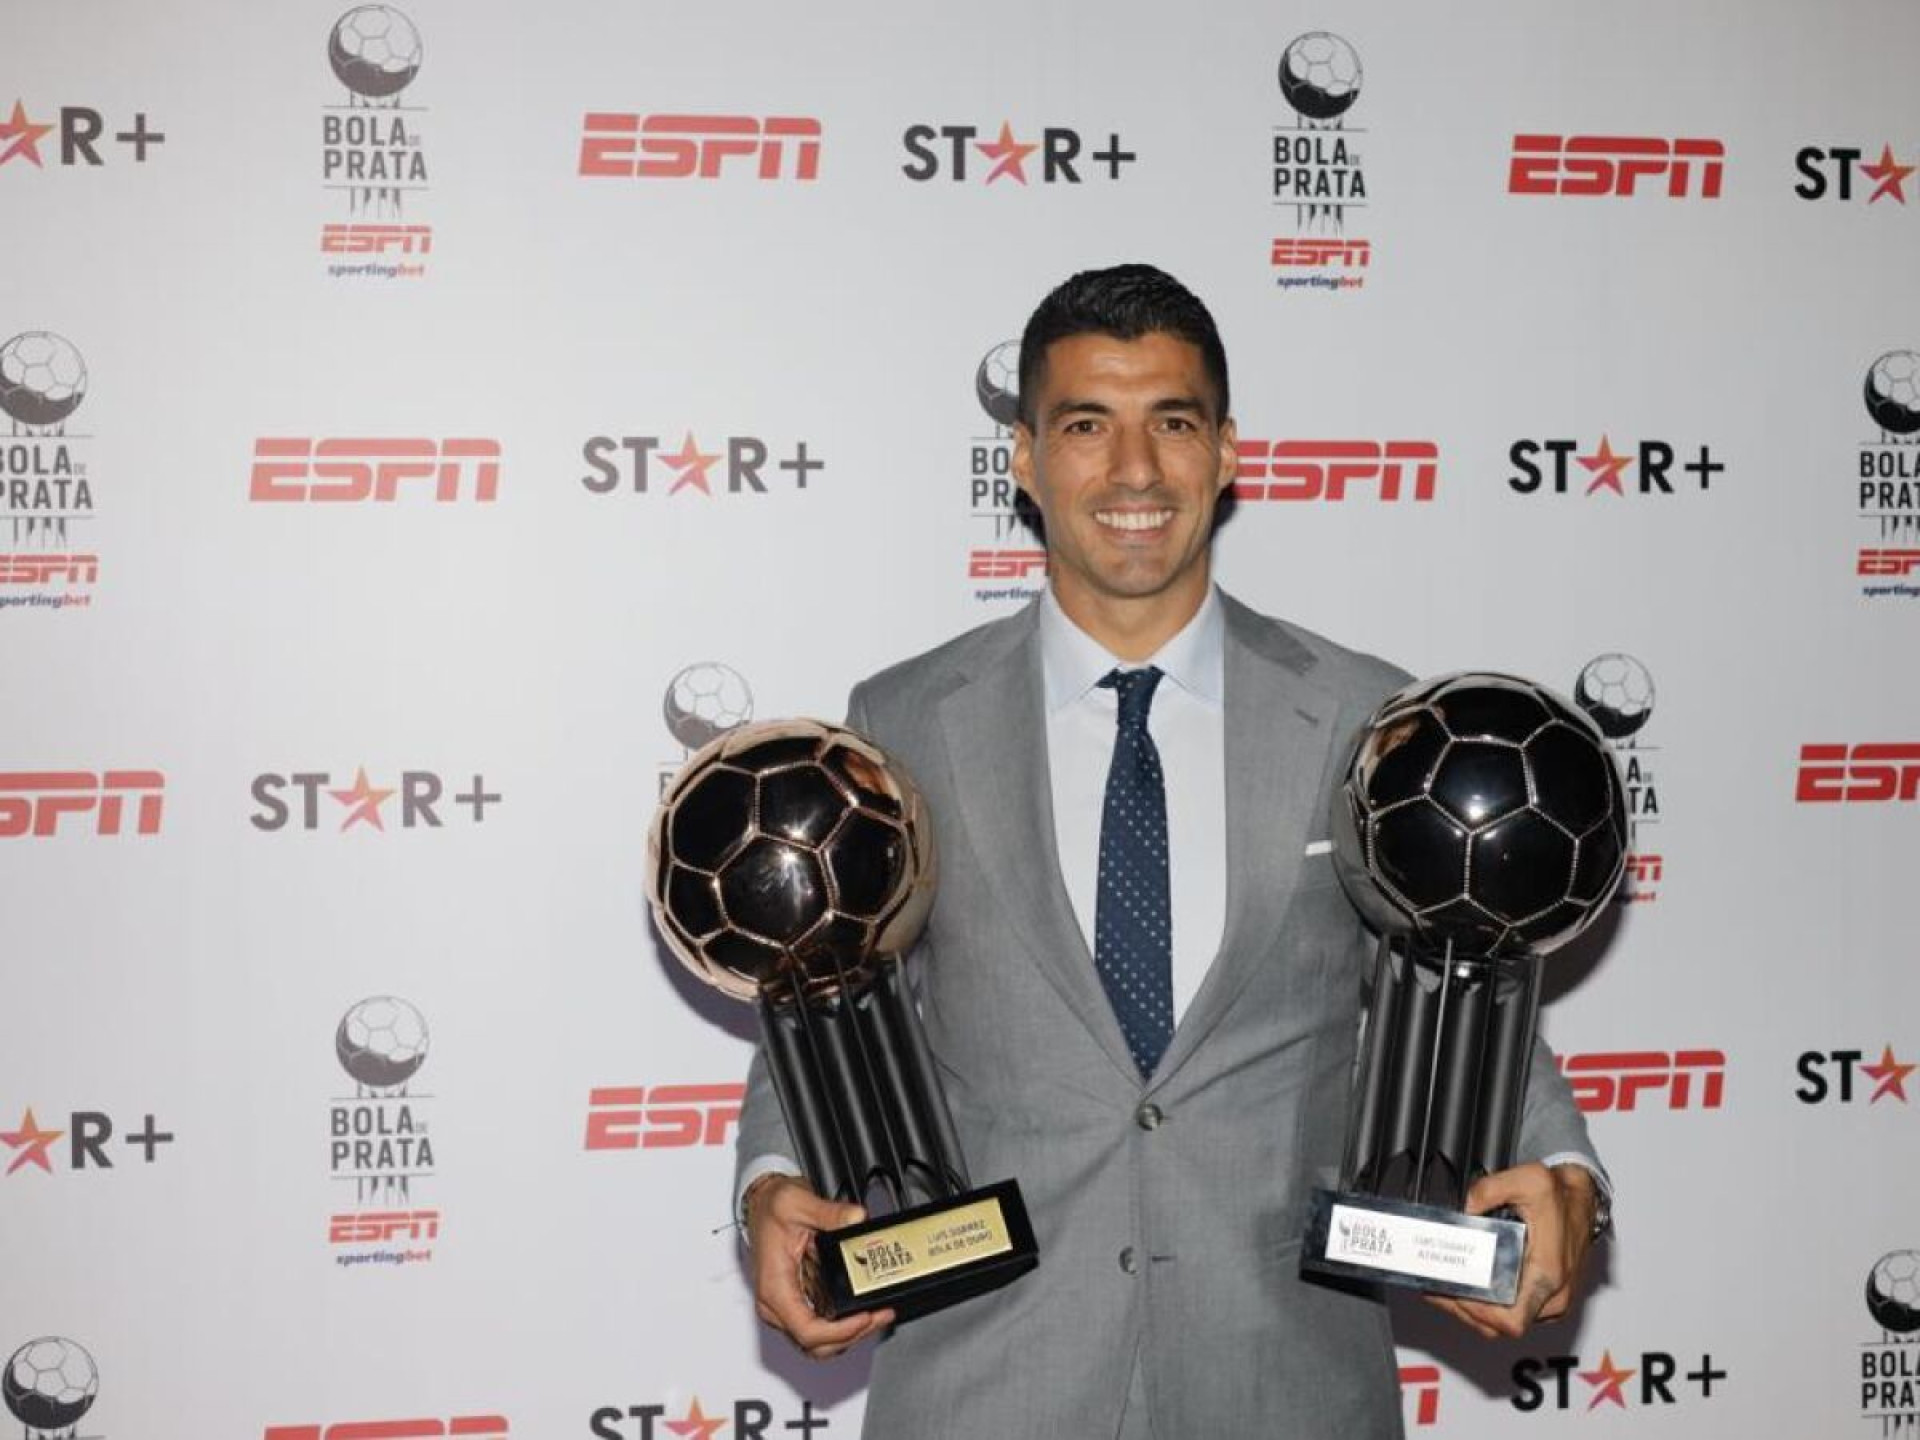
[1127, 1262]
[1149, 1116]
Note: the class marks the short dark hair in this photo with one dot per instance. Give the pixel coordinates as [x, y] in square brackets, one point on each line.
[1126, 302]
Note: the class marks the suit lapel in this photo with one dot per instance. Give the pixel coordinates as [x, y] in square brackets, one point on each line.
[995, 727]
[1279, 733]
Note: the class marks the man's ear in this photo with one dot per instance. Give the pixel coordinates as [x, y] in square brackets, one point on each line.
[1229, 453]
[1022, 462]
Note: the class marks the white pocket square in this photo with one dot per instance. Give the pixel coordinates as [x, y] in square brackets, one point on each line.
[1319, 847]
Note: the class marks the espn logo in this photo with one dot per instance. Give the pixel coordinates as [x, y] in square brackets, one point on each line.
[666, 1117]
[1887, 562]
[1005, 564]
[49, 569]
[1314, 253]
[1645, 869]
[1858, 774]
[1615, 1080]
[673, 147]
[376, 1227]
[469, 1427]
[376, 239]
[1612, 165]
[32, 802]
[1421, 1385]
[1322, 469]
[353, 470]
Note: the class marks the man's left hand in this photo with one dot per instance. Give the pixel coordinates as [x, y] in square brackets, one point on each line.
[1558, 1206]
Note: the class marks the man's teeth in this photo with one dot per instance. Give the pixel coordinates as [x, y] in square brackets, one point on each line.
[1133, 519]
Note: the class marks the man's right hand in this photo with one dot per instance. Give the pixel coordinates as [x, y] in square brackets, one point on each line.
[783, 1216]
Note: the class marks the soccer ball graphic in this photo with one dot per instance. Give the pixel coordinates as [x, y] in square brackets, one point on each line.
[789, 854]
[375, 50]
[1617, 692]
[1320, 75]
[997, 383]
[1893, 392]
[42, 378]
[1893, 1292]
[704, 702]
[1482, 810]
[382, 1041]
[49, 1383]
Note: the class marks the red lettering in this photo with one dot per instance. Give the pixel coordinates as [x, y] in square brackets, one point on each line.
[33, 802]
[675, 147]
[1323, 469]
[667, 1117]
[1424, 1382]
[1612, 164]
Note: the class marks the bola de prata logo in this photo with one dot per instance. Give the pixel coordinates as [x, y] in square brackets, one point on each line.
[45, 493]
[48, 1385]
[1317, 169]
[1616, 691]
[1890, 1365]
[1889, 495]
[371, 147]
[1014, 562]
[703, 701]
[379, 1135]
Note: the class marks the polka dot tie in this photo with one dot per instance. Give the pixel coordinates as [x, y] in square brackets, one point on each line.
[1133, 909]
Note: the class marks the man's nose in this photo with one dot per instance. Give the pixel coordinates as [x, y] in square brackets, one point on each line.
[1135, 461]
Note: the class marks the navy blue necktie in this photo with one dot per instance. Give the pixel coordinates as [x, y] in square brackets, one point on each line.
[1133, 909]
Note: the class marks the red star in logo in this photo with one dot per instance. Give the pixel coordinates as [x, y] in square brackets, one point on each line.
[1890, 1075]
[1008, 154]
[692, 466]
[1609, 1378]
[696, 1423]
[1605, 467]
[363, 802]
[32, 1142]
[1892, 177]
[26, 137]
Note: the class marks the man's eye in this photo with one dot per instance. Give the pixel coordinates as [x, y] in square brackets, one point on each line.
[1080, 427]
[1179, 424]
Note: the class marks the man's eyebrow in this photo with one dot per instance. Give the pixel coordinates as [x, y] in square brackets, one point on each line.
[1167, 405]
[1070, 406]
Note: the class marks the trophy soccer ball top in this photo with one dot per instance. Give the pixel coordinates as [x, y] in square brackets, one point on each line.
[789, 864]
[789, 854]
[1480, 825]
[1481, 809]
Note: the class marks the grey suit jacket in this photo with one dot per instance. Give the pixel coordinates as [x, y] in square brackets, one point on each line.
[1179, 1239]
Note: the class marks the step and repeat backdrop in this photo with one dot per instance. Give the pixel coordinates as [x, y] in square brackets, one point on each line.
[421, 425]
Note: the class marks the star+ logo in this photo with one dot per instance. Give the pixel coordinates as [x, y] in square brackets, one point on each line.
[1547, 1381]
[1829, 1075]
[745, 1419]
[80, 129]
[1058, 156]
[1828, 173]
[1560, 467]
[31, 1142]
[419, 801]
[737, 465]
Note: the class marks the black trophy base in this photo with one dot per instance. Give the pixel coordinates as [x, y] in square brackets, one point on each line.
[1422, 1247]
[917, 1261]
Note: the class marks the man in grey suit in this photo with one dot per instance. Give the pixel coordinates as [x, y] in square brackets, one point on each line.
[1147, 1018]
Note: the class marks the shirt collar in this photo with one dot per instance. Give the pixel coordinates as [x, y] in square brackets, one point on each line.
[1072, 662]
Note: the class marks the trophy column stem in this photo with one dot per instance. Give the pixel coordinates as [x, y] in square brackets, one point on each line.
[916, 1100]
[793, 1058]
[1509, 1059]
